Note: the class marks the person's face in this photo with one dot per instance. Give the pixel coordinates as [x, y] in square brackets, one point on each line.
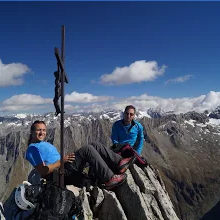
[39, 134]
[129, 115]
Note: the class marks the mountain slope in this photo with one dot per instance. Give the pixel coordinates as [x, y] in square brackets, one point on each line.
[184, 148]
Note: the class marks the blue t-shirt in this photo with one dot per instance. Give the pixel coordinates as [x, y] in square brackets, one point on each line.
[40, 152]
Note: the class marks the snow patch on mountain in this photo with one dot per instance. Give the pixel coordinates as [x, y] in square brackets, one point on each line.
[213, 121]
[143, 114]
[50, 118]
[191, 122]
[21, 115]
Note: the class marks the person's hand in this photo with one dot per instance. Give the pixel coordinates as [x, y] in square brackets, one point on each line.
[69, 158]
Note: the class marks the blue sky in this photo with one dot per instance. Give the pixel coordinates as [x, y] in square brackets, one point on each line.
[150, 54]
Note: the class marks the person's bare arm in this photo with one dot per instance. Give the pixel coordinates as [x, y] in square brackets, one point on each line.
[46, 169]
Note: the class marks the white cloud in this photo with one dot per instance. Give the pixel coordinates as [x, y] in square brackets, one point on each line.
[180, 105]
[27, 99]
[180, 79]
[139, 71]
[21, 108]
[28, 102]
[24, 102]
[11, 74]
[85, 98]
[94, 107]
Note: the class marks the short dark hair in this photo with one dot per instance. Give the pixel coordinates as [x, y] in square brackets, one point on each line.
[130, 107]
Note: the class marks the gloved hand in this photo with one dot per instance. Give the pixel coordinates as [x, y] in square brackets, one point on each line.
[117, 147]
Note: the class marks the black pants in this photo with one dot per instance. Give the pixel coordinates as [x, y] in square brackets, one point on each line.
[102, 161]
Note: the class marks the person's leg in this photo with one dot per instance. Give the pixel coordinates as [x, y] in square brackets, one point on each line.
[89, 154]
[116, 162]
[111, 158]
[97, 157]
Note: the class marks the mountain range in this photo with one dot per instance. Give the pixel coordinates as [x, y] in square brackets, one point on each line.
[184, 149]
[25, 118]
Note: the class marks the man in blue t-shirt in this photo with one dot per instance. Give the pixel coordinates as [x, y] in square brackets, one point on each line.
[128, 130]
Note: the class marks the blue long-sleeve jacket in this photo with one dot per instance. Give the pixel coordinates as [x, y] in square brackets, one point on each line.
[121, 134]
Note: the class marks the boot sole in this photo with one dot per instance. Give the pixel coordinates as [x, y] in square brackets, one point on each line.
[118, 184]
[126, 166]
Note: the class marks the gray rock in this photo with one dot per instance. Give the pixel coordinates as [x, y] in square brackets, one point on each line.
[132, 200]
[87, 213]
[111, 208]
[96, 197]
[167, 208]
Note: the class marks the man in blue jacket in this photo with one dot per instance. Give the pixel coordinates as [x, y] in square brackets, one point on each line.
[128, 130]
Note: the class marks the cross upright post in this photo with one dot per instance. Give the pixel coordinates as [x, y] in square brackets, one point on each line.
[61, 78]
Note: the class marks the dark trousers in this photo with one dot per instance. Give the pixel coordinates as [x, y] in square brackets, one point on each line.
[101, 160]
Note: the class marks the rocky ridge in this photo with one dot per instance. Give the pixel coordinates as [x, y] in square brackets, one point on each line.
[183, 148]
[143, 196]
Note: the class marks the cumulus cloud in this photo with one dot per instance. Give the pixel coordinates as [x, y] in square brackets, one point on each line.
[26, 99]
[180, 79]
[85, 98]
[179, 105]
[21, 108]
[11, 74]
[24, 102]
[139, 71]
[93, 107]
[143, 102]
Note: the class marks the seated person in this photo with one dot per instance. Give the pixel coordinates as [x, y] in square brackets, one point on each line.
[45, 158]
[128, 131]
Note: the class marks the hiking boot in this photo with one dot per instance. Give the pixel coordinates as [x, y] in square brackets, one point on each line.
[125, 163]
[116, 180]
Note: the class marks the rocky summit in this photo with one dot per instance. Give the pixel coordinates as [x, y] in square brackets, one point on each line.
[182, 181]
[142, 197]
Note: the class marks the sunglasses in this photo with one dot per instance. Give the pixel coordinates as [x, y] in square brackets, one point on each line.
[131, 114]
